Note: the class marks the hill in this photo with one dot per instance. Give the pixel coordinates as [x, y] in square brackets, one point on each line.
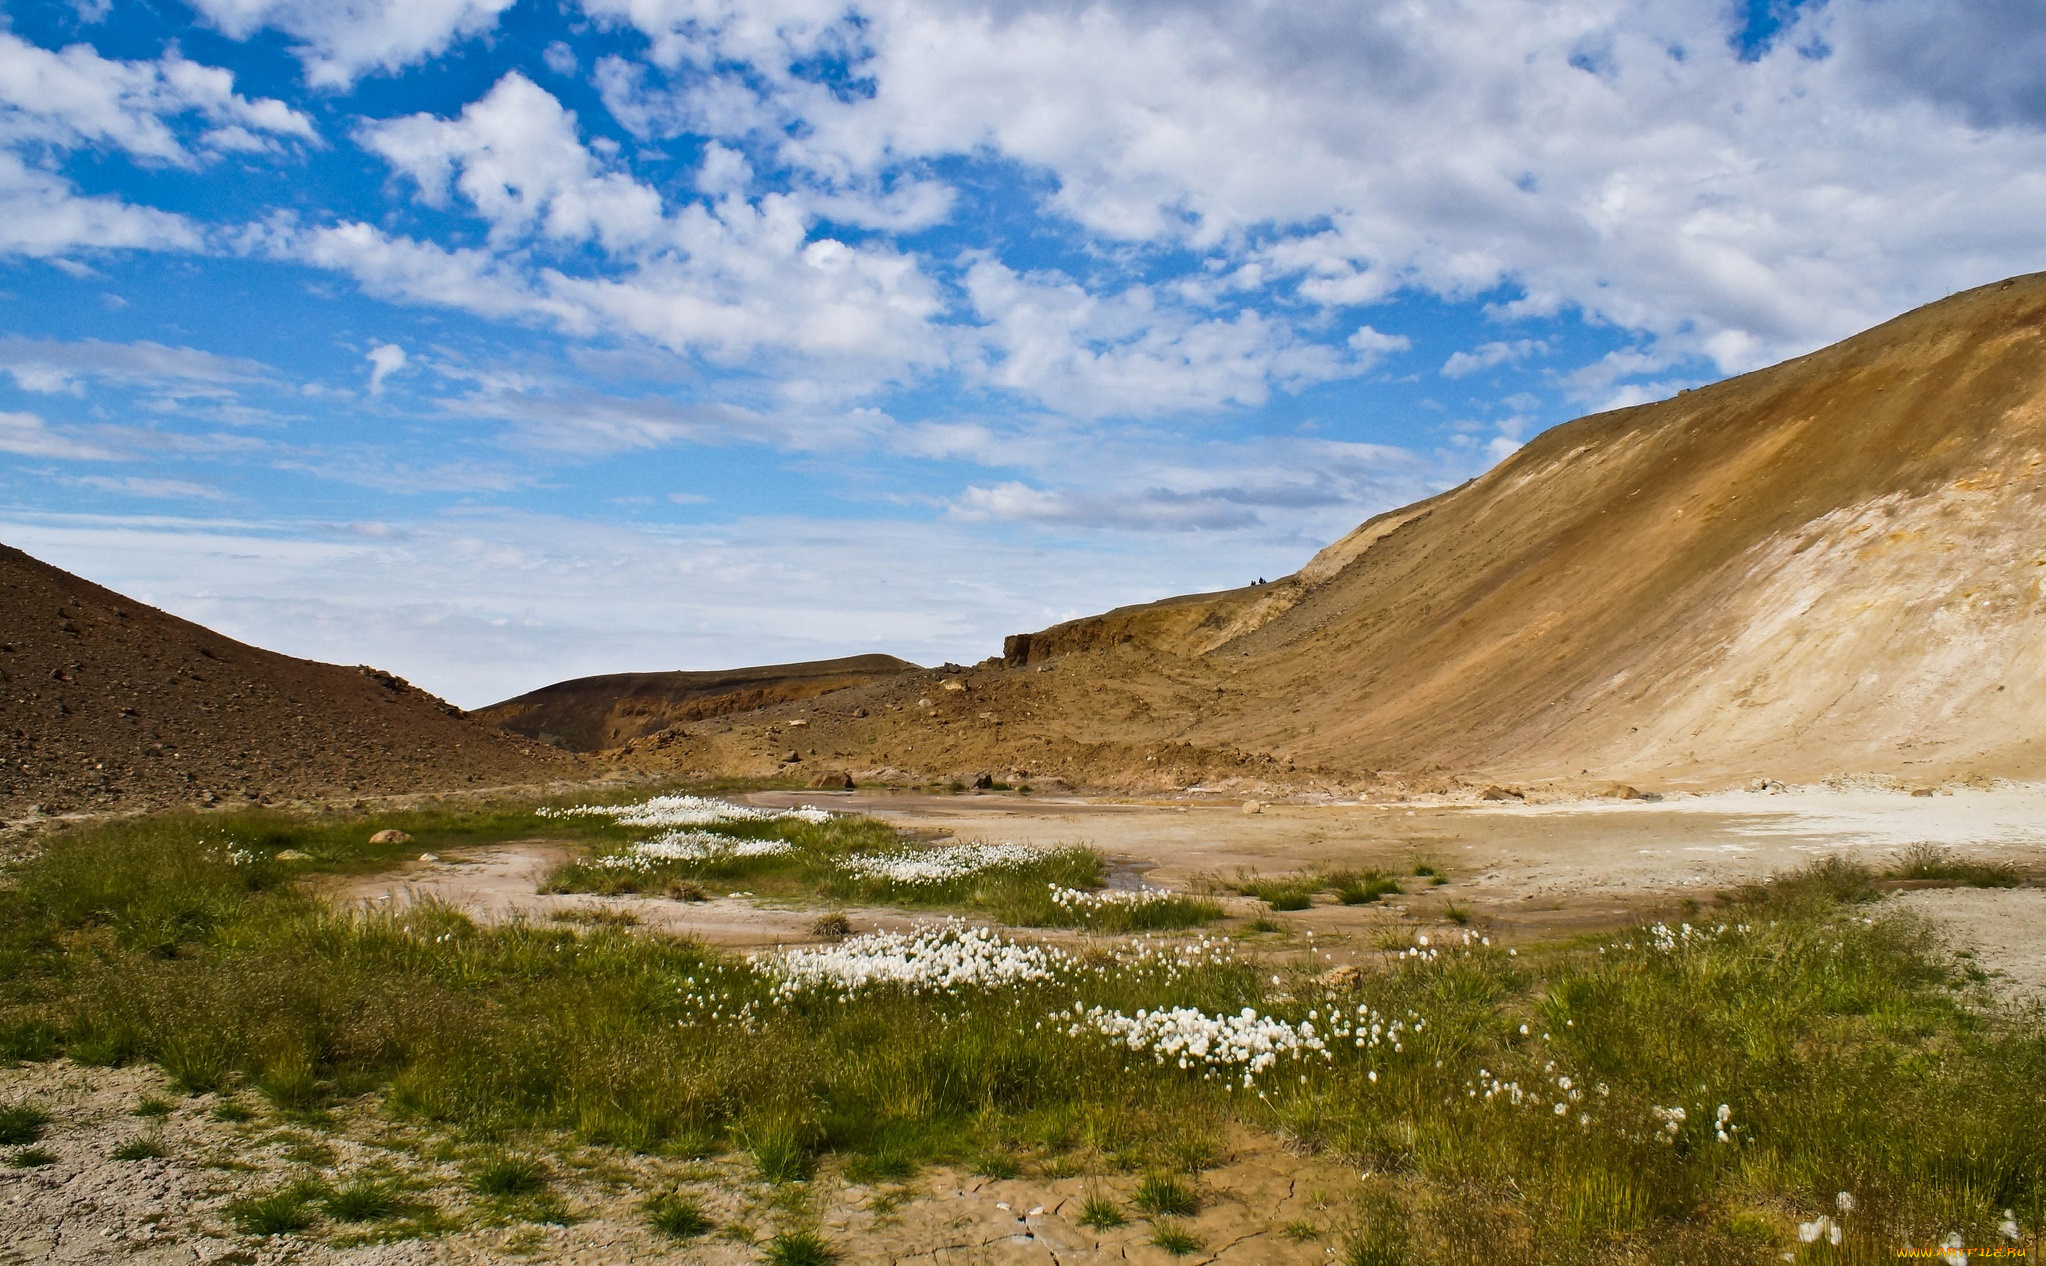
[1833, 566]
[114, 704]
[590, 713]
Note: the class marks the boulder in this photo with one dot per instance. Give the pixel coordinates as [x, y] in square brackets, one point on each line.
[1345, 976]
[832, 780]
[390, 837]
[983, 781]
[1503, 793]
[1253, 806]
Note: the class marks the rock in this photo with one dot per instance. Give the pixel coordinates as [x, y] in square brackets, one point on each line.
[1344, 977]
[983, 781]
[953, 683]
[791, 758]
[390, 837]
[832, 780]
[1922, 793]
[1253, 806]
[292, 855]
[428, 857]
[1634, 793]
[1503, 793]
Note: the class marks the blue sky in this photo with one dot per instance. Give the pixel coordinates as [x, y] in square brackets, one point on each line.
[499, 341]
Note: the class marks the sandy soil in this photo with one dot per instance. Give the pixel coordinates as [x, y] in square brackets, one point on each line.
[86, 1206]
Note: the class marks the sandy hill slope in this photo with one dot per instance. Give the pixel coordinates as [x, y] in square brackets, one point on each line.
[1832, 566]
[590, 713]
[107, 703]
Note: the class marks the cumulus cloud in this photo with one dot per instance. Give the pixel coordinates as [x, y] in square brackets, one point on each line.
[1735, 207]
[1491, 355]
[76, 97]
[338, 41]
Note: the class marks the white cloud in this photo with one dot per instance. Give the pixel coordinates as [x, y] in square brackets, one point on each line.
[51, 366]
[1735, 210]
[384, 360]
[43, 215]
[27, 435]
[340, 40]
[1491, 355]
[514, 156]
[76, 97]
[157, 489]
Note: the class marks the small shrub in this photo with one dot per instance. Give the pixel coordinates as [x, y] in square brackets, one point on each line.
[140, 1149]
[677, 1217]
[22, 1123]
[505, 1175]
[833, 925]
[799, 1248]
[279, 1213]
[1102, 1214]
[683, 890]
[1162, 1195]
[34, 1158]
[363, 1200]
[1174, 1239]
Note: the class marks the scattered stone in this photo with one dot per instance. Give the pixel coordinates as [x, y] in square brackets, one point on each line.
[390, 837]
[1253, 806]
[792, 757]
[428, 857]
[1505, 793]
[1344, 977]
[953, 683]
[293, 855]
[1921, 793]
[1635, 793]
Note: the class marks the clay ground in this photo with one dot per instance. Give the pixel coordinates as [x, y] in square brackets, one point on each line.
[1518, 872]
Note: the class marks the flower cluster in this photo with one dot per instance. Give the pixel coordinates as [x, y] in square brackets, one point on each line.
[939, 865]
[934, 958]
[673, 811]
[1188, 1037]
[691, 846]
[1080, 901]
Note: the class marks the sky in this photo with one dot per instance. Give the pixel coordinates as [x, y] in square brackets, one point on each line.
[497, 342]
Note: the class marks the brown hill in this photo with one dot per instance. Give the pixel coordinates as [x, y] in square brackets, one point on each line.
[112, 704]
[1832, 566]
[590, 713]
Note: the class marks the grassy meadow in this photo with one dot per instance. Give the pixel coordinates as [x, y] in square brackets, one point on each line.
[1794, 1072]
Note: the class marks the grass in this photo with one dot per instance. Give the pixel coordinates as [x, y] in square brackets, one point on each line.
[1161, 1195]
[146, 1147]
[1847, 1048]
[22, 1123]
[1102, 1213]
[1931, 862]
[364, 1200]
[152, 1106]
[677, 1217]
[1297, 891]
[799, 1248]
[33, 1158]
[1174, 1238]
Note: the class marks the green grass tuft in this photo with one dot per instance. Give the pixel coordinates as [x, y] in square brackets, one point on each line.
[1102, 1213]
[364, 1200]
[1931, 862]
[280, 1212]
[139, 1149]
[22, 1123]
[1174, 1238]
[799, 1248]
[153, 1107]
[508, 1175]
[677, 1217]
[1162, 1195]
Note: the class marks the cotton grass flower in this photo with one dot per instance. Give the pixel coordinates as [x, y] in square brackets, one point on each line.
[940, 865]
[933, 958]
[678, 811]
[1245, 1042]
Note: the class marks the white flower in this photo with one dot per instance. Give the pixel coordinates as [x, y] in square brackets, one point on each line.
[2009, 1226]
[1245, 1041]
[937, 957]
[1076, 900]
[687, 811]
[1809, 1232]
[1955, 1254]
[1844, 1202]
[940, 865]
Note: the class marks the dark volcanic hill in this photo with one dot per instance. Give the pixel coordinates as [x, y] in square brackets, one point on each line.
[106, 703]
[1834, 566]
[591, 713]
